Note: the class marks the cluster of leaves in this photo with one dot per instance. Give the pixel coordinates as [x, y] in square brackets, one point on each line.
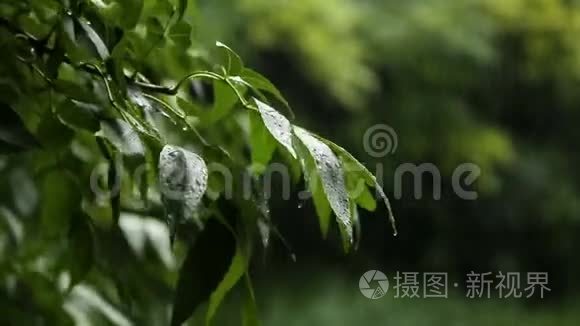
[85, 82]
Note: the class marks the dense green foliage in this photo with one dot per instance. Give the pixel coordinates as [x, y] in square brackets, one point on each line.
[108, 169]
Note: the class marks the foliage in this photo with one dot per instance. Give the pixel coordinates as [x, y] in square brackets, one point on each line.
[123, 87]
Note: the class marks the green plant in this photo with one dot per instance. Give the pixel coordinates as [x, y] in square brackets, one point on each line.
[85, 82]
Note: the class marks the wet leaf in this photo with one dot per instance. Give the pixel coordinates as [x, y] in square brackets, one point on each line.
[333, 183]
[277, 125]
[183, 179]
[206, 264]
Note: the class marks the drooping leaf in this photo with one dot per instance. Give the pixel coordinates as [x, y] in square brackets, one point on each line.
[314, 183]
[14, 136]
[122, 136]
[225, 101]
[81, 253]
[78, 115]
[183, 179]
[98, 43]
[56, 214]
[205, 265]
[249, 308]
[131, 12]
[235, 272]
[180, 34]
[277, 125]
[258, 81]
[181, 8]
[232, 61]
[73, 91]
[262, 143]
[189, 108]
[332, 178]
[366, 175]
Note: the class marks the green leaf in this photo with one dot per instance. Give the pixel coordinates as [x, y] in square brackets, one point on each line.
[131, 12]
[14, 136]
[262, 143]
[81, 253]
[122, 136]
[225, 101]
[73, 91]
[249, 308]
[181, 8]
[333, 183]
[78, 115]
[115, 69]
[235, 272]
[205, 266]
[56, 214]
[366, 175]
[52, 133]
[98, 43]
[180, 34]
[314, 184]
[190, 109]
[232, 61]
[277, 125]
[183, 180]
[258, 81]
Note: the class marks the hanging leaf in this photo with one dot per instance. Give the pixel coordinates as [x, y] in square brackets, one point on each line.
[81, 253]
[78, 115]
[235, 272]
[225, 101]
[249, 308]
[362, 172]
[314, 184]
[183, 179]
[122, 136]
[332, 178]
[14, 136]
[180, 34]
[98, 43]
[262, 144]
[258, 81]
[181, 8]
[73, 91]
[232, 61]
[205, 266]
[277, 125]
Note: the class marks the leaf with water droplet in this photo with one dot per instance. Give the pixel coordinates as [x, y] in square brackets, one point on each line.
[122, 136]
[332, 177]
[183, 180]
[277, 125]
[362, 172]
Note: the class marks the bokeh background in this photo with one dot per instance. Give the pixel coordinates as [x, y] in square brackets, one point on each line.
[490, 82]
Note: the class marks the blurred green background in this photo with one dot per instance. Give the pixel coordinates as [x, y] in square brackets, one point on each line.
[490, 82]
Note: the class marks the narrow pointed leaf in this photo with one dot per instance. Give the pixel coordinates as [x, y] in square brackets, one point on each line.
[332, 178]
[365, 174]
[277, 125]
[205, 265]
[234, 274]
[232, 61]
[14, 136]
[98, 43]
